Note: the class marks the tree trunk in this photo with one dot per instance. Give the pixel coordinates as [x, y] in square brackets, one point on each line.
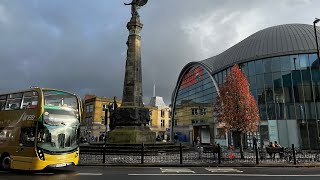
[241, 145]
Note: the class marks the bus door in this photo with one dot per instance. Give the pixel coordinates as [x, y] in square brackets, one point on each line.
[25, 150]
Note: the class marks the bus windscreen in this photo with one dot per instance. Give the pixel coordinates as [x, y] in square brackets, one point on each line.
[58, 131]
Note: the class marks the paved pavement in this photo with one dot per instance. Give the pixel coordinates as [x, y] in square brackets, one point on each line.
[185, 173]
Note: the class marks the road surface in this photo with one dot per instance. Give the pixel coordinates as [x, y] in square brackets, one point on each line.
[165, 173]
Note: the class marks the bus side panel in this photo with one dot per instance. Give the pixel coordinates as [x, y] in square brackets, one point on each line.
[27, 163]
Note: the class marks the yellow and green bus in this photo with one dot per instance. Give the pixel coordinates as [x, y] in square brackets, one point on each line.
[39, 128]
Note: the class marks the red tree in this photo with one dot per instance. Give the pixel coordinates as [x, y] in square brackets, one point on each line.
[236, 108]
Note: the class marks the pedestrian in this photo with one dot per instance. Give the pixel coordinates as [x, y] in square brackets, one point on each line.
[271, 145]
[254, 142]
[277, 145]
[175, 137]
[231, 155]
[198, 140]
[194, 140]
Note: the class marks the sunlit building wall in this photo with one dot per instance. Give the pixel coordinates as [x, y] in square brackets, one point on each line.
[93, 124]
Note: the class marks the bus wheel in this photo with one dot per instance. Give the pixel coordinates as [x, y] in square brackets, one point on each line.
[5, 162]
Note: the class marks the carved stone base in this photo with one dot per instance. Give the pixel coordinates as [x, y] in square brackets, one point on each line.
[131, 116]
[131, 135]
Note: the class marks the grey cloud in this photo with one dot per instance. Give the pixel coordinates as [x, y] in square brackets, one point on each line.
[80, 47]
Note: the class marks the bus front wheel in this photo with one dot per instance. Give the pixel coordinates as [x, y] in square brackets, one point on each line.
[5, 162]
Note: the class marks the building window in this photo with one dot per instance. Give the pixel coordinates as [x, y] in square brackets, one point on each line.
[175, 123]
[162, 113]
[203, 111]
[89, 108]
[162, 123]
[104, 107]
[88, 122]
[221, 133]
[169, 114]
[194, 111]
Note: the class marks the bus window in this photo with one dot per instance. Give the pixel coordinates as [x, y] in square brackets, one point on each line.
[3, 102]
[30, 100]
[27, 136]
[60, 99]
[14, 101]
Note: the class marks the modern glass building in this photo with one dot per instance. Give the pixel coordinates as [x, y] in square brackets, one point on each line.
[282, 68]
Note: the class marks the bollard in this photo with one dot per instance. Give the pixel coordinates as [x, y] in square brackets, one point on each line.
[294, 155]
[257, 154]
[180, 153]
[219, 154]
[142, 153]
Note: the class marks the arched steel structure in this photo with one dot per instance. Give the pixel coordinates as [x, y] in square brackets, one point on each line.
[278, 41]
[185, 69]
[274, 41]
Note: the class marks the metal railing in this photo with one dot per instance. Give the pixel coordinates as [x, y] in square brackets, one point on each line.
[178, 154]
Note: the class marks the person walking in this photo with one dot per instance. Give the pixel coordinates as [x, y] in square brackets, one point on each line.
[254, 142]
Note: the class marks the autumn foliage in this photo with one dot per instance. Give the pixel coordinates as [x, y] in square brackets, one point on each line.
[236, 108]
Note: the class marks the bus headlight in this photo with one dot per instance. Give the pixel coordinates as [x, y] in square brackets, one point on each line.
[40, 154]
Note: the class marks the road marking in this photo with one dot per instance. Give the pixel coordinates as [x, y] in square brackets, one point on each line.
[248, 175]
[176, 170]
[89, 174]
[220, 170]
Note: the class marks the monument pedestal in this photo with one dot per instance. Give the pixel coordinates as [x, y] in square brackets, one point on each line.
[132, 135]
[130, 126]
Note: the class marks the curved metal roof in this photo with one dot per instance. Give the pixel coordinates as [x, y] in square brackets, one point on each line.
[273, 41]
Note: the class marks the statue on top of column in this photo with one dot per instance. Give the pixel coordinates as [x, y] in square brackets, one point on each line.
[135, 5]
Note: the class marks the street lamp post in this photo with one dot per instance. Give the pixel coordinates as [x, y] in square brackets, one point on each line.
[105, 133]
[108, 110]
[315, 33]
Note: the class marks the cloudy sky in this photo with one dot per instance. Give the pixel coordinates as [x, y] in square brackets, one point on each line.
[79, 45]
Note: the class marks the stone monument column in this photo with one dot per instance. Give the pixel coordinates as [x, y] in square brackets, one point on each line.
[131, 118]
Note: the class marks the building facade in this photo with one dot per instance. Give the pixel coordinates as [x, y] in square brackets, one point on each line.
[282, 68]
[93, 123]
[160, 118]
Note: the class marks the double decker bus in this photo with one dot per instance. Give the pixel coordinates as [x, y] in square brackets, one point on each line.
[39, 128]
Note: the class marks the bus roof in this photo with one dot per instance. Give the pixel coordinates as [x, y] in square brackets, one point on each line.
[35, 88]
